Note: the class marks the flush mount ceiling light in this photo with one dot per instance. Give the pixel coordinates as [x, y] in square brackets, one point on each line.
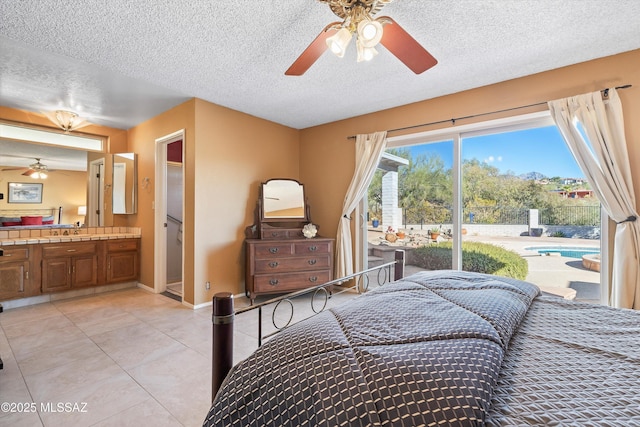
[66, 120]
[357, 18]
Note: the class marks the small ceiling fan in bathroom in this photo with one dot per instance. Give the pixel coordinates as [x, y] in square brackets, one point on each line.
[35, 170]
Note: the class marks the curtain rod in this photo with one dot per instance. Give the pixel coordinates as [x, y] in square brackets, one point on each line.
[453, 120]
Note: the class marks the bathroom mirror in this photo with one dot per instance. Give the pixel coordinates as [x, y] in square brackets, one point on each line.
[283, 199]
[124, 185]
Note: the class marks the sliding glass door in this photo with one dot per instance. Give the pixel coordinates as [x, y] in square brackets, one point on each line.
[503, 197]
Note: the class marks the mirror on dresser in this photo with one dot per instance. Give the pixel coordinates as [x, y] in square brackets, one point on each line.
[283, 199]
[283, 251]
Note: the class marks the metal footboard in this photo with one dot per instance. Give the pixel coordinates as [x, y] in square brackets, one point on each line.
[224, 312]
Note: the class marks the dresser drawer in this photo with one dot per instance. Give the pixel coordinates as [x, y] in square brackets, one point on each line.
[12, 254]
[290, 281]
[272, 249]
[292, 264]
[312, 247]
[282, 233]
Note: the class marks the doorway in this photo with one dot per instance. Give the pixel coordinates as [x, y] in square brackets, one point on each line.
[96, 205]
[169, 208]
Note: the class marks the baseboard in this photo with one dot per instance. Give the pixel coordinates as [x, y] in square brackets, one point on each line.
[58, 296]
[146, 288]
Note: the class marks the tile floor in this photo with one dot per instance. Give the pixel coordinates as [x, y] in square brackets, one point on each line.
[133, 357]
[121, 358]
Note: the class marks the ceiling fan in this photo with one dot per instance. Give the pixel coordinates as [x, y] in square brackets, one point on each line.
[35, 170]
[357, 18]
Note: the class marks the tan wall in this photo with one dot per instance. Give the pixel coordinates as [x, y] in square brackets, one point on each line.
[62, 188]
[327, 157]
[234, 153]
[142, 142]
[227, 155]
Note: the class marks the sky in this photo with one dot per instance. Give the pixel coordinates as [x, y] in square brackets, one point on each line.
[533, 150]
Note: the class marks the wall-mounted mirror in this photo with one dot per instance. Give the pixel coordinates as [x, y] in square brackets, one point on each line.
[283, 199]
[125, 178]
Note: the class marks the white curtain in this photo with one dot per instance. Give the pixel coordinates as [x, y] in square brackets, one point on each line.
[369, 149]
[604, 159]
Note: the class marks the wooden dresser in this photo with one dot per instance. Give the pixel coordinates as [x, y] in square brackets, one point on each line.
[277, 266]
[279, 257]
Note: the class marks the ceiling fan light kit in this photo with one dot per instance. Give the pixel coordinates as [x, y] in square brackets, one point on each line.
[357, 18]
[339, 41]
[365, 53]
[38, 175]
[36, 170]
[369, 33]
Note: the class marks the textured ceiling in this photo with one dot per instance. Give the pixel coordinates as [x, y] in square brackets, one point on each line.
[20, 155]
[122, 62]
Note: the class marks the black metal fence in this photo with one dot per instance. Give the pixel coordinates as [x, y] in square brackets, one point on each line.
[571, 215]
[495, 215]
[503, 215]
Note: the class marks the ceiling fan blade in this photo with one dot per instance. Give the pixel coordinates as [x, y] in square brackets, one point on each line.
[12, 169]
[312, 52]
[29, 172]
[405, 47]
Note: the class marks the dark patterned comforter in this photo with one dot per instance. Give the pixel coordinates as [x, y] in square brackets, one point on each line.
[443, 348]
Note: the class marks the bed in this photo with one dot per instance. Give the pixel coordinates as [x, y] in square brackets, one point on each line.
[11, 219]
[443, 348]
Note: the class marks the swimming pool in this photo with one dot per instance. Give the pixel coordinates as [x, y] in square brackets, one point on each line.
[566, 251]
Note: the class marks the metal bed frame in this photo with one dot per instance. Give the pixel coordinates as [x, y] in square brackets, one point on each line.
[224, 312]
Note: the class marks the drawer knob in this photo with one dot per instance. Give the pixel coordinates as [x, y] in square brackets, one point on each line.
[313, 279]
[273, 250]
[313, 248]
[273, 264]
[312, 261]
[273, 282]
[274, 234]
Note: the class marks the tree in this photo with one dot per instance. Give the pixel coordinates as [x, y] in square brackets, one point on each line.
[425, 192]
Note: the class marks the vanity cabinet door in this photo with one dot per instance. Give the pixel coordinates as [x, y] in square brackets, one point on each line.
[84, 271]
[14, 279]
[56, 274]
[122, 261]
[15, 273]
[122, 267]
[69, 265]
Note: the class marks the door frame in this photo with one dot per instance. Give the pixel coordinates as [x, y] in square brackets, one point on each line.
[96, 200]
[160, 207]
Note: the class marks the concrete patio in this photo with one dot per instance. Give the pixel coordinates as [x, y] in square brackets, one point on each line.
[555, 274]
